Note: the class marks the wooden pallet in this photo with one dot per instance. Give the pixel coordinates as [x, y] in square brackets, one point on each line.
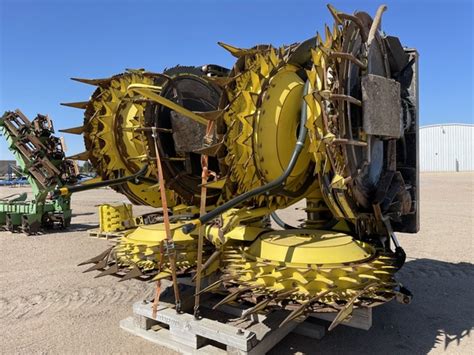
[221, 331]
[97, 233]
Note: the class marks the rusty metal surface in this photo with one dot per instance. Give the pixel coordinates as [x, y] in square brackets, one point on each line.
[187, 134]
[381, 106]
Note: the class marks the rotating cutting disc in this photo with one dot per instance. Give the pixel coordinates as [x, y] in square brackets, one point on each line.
[306, 263]
[262, 115]
[310, 247]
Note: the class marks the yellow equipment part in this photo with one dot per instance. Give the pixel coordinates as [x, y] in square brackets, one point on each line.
[116, 144]
[310, 246]
[102, 116]
[305, 263]
[262, 114]
[255, 134]
[150, 92]
[276, 128]
[327, 154]
[143, 249]
[251, 69]
[115, 217]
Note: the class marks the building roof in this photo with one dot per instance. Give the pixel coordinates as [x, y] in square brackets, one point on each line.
[447, 124]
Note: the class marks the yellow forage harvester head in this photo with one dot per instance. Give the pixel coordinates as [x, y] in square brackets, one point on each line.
[332, 120]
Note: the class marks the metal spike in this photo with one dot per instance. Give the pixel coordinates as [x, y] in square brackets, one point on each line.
[97, 258]
[375, 24]
[135, 272]
[95, 82]
[212, 286]
[300, 310]
[235, 51]
[81, 105]
[261, 305]
[343, 55]
[221, 81]
[233, 295]
[349, 279]
[328, 95]
[111, 270]
[80, 156]
[100, 265]
[73, 130]
[334, 14]
[294, 314]
[258, 307]
[343, 16]
[346, 311]
[208, 262]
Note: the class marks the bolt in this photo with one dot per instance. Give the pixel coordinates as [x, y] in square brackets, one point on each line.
[240, 331]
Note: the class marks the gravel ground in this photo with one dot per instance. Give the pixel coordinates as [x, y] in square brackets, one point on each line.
[47, 305]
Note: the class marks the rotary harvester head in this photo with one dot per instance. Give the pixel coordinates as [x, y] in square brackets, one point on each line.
[332, 120]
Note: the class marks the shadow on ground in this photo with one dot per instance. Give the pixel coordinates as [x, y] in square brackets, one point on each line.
[441, 315]
[83, 214]
[74, 227]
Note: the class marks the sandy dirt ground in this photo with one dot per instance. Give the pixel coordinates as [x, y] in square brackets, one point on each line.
[47, 305]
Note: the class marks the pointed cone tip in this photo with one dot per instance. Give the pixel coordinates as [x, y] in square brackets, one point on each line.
[84, 156]
[235, 51]
[111, 270]
[99, 265]
[80, 104]
[94, 82]
[73, 130]
[135, 272]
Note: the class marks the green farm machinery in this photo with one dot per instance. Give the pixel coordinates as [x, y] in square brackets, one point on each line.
[41, 158]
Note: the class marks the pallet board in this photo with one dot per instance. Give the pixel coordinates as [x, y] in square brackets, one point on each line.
[183, 333]
[361, 318]
[222, 331]
[97, 233]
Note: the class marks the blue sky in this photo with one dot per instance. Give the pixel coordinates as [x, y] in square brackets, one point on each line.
[45, 42]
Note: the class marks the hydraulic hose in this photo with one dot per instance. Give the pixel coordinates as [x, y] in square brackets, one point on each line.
[278, 182]
[66, 190]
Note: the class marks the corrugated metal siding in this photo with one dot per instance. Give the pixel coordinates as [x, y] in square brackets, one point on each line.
[448, 147]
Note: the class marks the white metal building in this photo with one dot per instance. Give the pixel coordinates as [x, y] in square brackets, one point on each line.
[447, 147]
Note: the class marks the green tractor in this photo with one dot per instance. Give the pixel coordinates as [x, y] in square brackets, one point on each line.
[41, 158]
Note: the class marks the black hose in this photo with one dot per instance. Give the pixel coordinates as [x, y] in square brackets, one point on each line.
[294, 194]
[189, 227]
[66, 190]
